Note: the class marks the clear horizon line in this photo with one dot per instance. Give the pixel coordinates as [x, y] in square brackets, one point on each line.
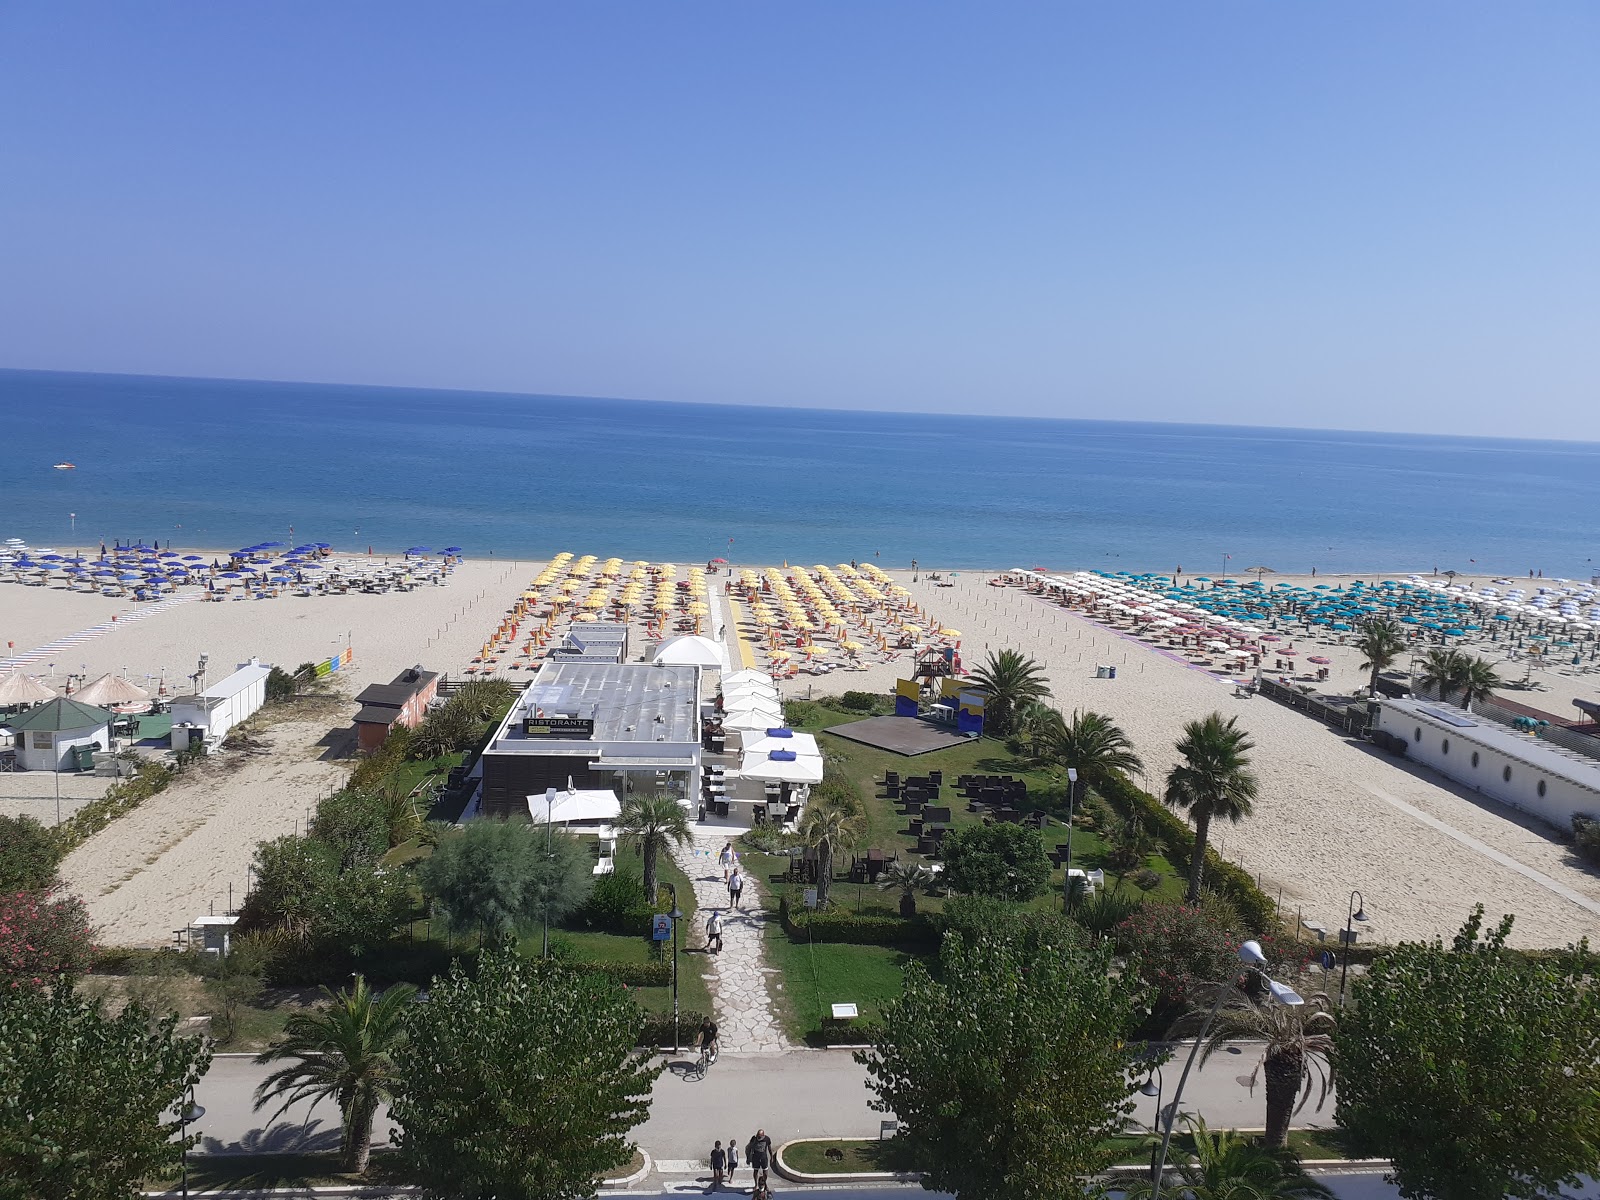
[887, 412]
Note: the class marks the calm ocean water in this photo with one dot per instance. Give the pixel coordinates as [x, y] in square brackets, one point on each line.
[210, 463]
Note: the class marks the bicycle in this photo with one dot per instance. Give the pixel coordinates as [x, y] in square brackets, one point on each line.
[702, 1064]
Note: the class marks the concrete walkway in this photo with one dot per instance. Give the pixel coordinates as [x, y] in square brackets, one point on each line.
[737, 977]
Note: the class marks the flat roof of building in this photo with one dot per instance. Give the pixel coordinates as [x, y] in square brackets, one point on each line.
[628, 702]
[1541, 755]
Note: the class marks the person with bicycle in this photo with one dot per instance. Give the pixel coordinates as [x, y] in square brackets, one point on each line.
[708, 1042]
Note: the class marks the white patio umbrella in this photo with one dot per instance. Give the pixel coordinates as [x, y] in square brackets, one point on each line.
[800, 769]
[17, 688]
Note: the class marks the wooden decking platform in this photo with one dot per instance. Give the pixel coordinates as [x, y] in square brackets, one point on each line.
[909, 736]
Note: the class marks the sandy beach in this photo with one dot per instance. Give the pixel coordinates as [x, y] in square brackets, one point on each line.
[1333, 815]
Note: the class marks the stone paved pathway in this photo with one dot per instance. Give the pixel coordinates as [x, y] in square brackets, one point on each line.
[745, 1020]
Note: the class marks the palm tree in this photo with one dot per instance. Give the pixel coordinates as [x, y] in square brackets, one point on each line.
[650, 820]
[344, 1052]
[1442, 670]
[835, 822]
[1009, 681]
[1094, 744]
[1213, 780]
[1229, 1166]
[1381, 642]
[1297, 1043]
[1040, 725]
[1478, 678]
[908, 879]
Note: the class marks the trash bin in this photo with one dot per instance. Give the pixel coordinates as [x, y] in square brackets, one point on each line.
[82, 758]
[1111, 672]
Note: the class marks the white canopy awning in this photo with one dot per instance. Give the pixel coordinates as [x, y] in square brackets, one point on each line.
[576, 805]
[749, 687]
[803, 744]
[749, 674]
[801, 769]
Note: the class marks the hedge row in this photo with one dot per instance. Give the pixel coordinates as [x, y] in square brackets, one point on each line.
[633, 974]
[122, 797]
[860, 930]
[657, 1028]
[1223, 877]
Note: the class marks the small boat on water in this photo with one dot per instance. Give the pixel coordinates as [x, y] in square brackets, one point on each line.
[66, 466]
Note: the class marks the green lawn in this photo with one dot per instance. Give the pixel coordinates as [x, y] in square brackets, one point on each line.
[887, 829]
[816, 976]
[839, 1156]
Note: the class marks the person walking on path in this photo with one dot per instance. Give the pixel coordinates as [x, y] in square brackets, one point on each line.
[733, 1160]
[735, 886]
[758, 1153]
[714, 931]
[725, 858]
[719, 1164]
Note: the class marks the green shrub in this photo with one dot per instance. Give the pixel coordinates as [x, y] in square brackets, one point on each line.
[978, 917]
[858, 701]
[616, 905]
[1007, 862]
[768, 839]
[1145, 879]
[632, 974]
[280, 686]
[656, 1028]
[857, 929]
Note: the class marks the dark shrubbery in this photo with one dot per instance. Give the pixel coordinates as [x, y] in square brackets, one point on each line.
[29, 855]
[1586, 838]
[870, 929]
[859, 701]
[657, 1028]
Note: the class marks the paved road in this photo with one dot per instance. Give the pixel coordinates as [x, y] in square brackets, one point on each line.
[800, 1093]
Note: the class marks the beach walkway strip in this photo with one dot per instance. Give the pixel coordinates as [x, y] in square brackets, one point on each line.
[47, 652]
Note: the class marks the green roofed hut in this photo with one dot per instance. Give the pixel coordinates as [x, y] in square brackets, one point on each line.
[48, 735]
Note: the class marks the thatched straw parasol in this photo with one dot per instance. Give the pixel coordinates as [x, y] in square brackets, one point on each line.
[17, 689]
[111, 691]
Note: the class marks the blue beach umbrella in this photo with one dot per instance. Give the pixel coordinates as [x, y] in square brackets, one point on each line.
[229, 575]
[451, 550]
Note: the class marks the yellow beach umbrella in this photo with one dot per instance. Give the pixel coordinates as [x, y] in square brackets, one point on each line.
[949, 633]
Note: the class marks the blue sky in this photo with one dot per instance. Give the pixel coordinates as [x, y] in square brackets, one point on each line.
[1362, 215]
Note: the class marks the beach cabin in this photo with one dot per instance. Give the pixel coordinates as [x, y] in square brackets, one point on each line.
[385, 705]
[59, 735]
[219, 708]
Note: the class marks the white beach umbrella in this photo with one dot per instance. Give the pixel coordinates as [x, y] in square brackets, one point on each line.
[17, 689]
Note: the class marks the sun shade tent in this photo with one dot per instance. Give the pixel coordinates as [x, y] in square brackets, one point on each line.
[802, 745]
[692, 651]
[577, 806]
[804, 768]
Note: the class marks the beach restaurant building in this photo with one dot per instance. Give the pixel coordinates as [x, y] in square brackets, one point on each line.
[1514, 768]
[624, 727]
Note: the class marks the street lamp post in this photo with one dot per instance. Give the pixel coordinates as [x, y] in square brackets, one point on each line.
[1153, 1087]
[677, 916]
[1250, 954]
[188, 1114]
[1356, 912]
[1072, 797]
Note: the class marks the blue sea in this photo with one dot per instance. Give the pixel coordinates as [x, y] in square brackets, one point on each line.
[219, 463]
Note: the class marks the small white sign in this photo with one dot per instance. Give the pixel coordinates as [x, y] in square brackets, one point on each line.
[844, 1012]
